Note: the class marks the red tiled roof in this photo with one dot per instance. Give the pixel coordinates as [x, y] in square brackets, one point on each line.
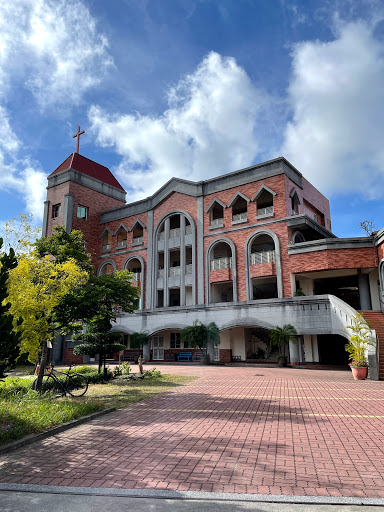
[90, 168]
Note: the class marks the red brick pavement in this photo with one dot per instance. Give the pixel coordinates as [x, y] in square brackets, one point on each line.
[241, 430]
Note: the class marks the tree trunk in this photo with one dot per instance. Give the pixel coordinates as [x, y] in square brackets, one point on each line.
[43, 364]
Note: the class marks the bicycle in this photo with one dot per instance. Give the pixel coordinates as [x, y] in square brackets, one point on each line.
[75, 384]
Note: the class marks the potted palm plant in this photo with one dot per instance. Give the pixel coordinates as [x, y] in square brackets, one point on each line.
[359, 339]
[280, 337]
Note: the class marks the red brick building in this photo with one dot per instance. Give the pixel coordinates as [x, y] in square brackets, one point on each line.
[249, 250]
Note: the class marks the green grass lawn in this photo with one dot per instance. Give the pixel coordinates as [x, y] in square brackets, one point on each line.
[23, 411]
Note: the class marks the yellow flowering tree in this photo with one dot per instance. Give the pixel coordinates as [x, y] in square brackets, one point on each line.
[35, 287]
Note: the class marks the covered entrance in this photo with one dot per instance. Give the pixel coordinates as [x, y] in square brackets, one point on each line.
[158, 348]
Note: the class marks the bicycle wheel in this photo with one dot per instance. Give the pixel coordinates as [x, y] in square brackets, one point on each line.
[48, 384]
[77, 385]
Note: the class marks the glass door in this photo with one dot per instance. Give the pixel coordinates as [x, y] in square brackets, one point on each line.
[157, 348]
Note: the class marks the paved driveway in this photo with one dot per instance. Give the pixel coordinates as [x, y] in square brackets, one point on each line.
[242, 430]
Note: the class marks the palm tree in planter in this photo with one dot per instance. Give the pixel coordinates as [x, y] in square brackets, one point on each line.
[360, 338]
[201, 336]
[280, 337]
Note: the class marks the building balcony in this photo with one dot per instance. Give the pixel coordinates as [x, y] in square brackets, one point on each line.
[267, 211]
[136, 276]
[122, 244]
[176, 232]
[138, 240]
[216, 223]
[237, 218]
[263, 264]
[258, 258]
[221, 263]
[106, 247]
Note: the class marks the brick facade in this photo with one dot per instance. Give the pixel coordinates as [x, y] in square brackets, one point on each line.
[181, 198]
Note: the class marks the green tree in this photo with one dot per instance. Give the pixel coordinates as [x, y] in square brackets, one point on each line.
[100, 299]
[201, 336]
[21, 234]
[64, 246]
[36, 287]
[99, 340]
[138, 339]
[280, 337]
[9, 338]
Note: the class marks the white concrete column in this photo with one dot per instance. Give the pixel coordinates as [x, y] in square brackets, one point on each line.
[294, 353]
[308, 348]
[315, 348]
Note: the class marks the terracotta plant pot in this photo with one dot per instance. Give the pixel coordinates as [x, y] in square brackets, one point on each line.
[360, 372]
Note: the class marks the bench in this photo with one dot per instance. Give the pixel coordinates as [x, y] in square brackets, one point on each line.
[169, 357]
[184, 356]
[198, 356]
[131, 356]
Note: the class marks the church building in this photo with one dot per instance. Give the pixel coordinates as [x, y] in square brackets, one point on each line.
[249, 250]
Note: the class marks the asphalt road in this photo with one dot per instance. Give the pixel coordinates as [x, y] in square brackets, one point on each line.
[11, 501]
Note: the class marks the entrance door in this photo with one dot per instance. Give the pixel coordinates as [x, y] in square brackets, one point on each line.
[158, 348]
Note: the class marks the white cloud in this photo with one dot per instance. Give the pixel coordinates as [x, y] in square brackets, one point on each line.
[55, 47]
[53, 50]
[336, 93]
[213, 124]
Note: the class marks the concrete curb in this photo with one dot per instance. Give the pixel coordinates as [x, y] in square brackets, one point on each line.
[32, 438]
[191, 495]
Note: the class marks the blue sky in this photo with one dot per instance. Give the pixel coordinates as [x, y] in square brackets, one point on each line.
[195, 88]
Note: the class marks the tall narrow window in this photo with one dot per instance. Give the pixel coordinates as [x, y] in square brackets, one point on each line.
[175, 340]
[107, 241]
[82, 212]
[56, 210]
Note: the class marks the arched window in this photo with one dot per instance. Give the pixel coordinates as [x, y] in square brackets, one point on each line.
[121, 238]
[298, 237]
[221, 271]
[174, 260]
[138, 233]
[264, 202]
[106, 239]
[107, 268]
[135, 264]
[262, 266]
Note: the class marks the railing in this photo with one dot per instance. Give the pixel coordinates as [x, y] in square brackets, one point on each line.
[106, 247]
[188, 268]
[215, 223]
[137, 240]
[267, 210]
[122, 243]
[174, 271]
[136, 276]
[240, 216]
[221, 263]
[160, 272]
[174, 233]
[263, 257]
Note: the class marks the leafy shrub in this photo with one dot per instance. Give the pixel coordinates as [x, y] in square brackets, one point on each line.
[125, 368]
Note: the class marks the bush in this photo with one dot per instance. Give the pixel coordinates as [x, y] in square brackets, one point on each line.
[92, 374]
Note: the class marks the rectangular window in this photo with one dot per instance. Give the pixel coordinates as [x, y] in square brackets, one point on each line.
[56, 210]
[175, 340]
[82, 212]
[315, 217]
